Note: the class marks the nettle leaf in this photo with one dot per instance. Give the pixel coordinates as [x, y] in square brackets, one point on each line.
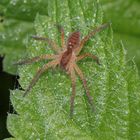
[122, 14]
[13, 41]
[15, 27]
[125, 22]
[12, 38]
[114, 86]
[25, 10]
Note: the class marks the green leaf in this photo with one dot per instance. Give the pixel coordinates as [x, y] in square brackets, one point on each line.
[25, 10]
[114, 86]
[12, 42]
[125, 16]
[13, 34]
[131, 43]
[134, 102]
[16, 27]
[122, 13]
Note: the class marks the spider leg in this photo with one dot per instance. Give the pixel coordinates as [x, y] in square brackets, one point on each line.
[90, 100]
[38, 74]
[92, 33]
[73, 79]
[61, 30]
[88, 55]
[35, 59]
[49, 41]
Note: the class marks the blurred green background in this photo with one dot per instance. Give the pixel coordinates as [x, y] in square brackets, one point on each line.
[16, 24]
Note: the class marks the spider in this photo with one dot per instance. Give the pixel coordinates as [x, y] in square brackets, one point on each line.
[66, 57]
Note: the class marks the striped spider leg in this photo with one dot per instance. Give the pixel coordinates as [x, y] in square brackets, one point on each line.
[66, 57]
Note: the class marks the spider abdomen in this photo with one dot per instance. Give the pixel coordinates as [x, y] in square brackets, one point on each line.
[73, 40]
[66, 58]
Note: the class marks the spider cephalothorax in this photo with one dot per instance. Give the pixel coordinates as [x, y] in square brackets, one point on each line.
[66, 57]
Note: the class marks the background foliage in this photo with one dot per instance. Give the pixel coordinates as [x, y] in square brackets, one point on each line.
[115, 83]
[124, 16]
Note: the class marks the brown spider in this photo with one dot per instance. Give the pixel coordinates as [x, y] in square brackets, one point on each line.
[66, 57]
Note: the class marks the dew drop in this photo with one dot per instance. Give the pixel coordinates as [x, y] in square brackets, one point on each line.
[13, 2]
[3, 37]
[24, 10]
[59, 84]
[25, 1]
[78, 17]
[126, 112]
[16, 38]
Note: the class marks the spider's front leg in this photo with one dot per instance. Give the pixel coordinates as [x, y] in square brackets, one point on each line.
[80, 57]
[49, 41]
[38, 74]
[35, 59]
[90, 100]
[92, 33]
[61, 30]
